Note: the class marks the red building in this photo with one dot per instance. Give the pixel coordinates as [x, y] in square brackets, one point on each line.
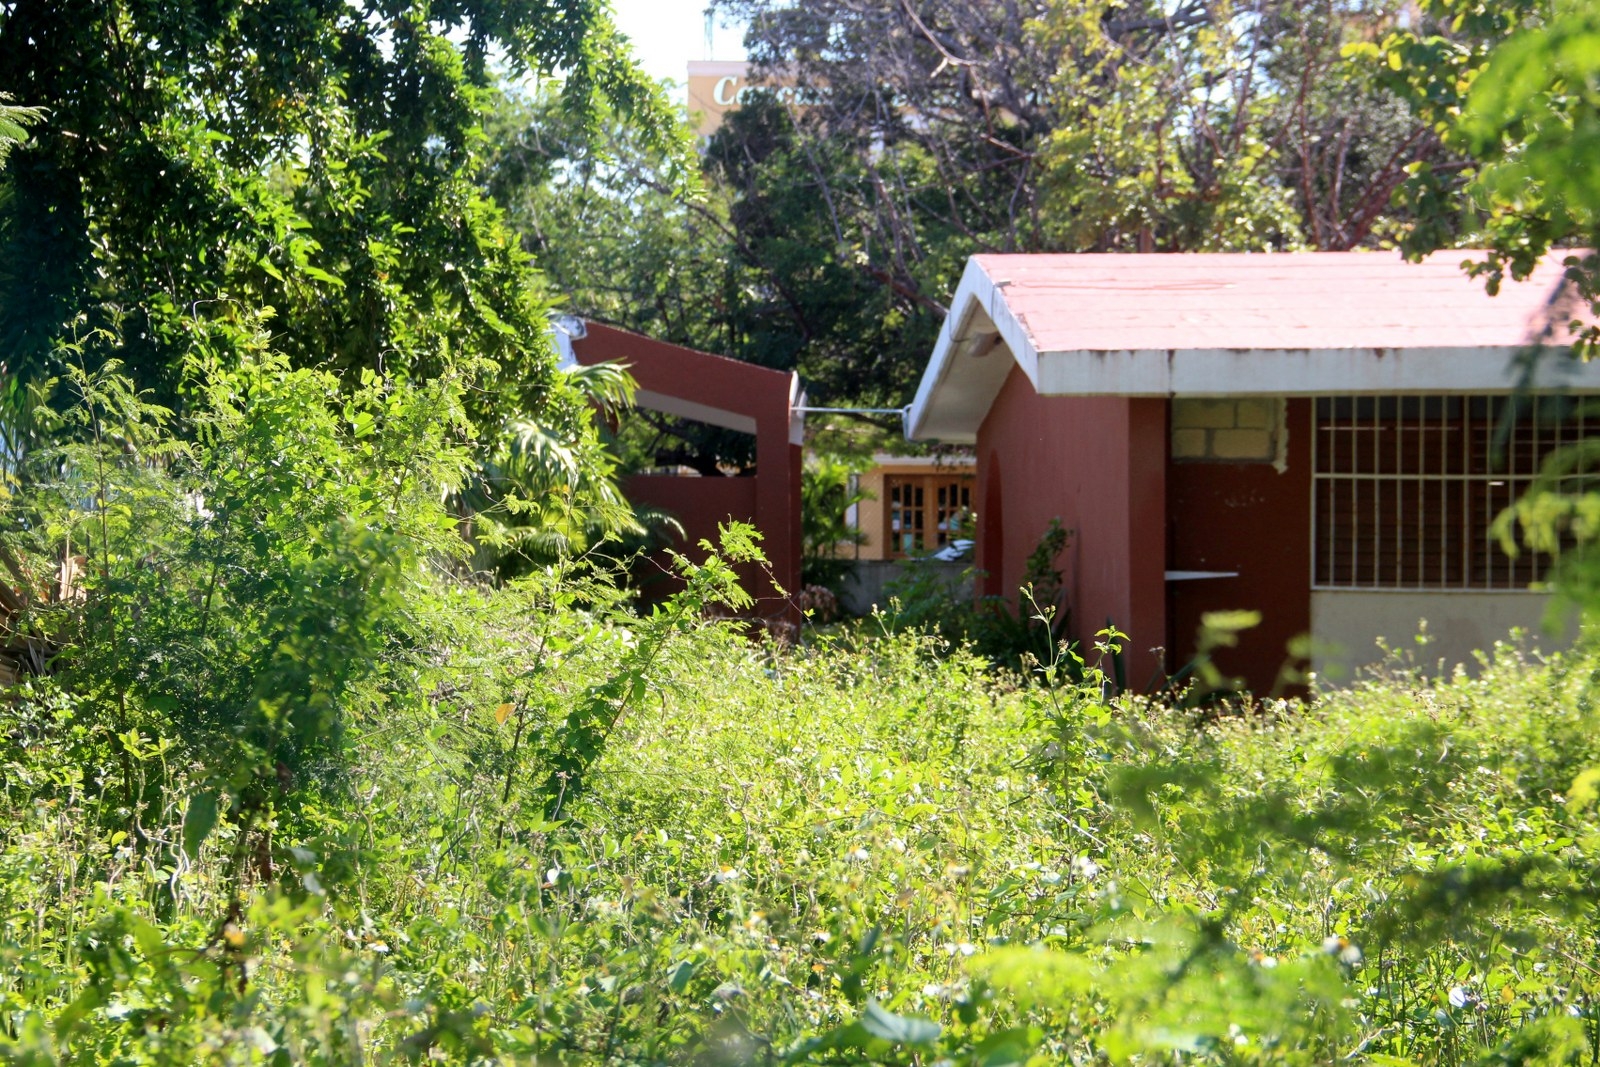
[1311, 436]
[735, 396]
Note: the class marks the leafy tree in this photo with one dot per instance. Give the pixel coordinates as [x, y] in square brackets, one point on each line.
[312, 168]
[627, 237]
[1491, 105]
[832, 223]
[1222, 127]
[826, 496]
[548, 490]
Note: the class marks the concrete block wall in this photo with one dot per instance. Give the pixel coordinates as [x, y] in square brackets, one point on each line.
[1243, 430]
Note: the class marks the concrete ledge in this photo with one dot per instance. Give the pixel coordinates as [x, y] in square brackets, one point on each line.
[865, 588]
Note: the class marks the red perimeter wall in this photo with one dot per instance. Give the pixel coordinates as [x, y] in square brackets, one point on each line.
[770, 500]
[1249, 518]
[699, 505]
[1099, 464]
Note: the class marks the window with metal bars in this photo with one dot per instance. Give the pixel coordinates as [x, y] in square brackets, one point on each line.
[924, 511]
[1404, 488]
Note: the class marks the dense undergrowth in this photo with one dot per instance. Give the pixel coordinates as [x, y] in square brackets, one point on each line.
[841, 854]
[301, 787]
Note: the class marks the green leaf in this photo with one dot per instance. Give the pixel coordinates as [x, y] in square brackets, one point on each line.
[199, 821]
[318, 274]
[1007, 1048]
[901, 1029]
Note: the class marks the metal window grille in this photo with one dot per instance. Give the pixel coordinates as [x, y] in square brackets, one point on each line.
[924, 510]
[1404, 488]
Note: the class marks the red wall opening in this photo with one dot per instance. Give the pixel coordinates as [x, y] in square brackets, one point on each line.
[683, 381]
[1249, 518]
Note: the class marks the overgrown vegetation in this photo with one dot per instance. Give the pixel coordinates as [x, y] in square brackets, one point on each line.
[1014, 634]
[302, 788]
[294, 801]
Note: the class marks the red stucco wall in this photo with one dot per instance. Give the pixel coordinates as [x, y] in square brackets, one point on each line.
[1244, 517]
[1099, 464]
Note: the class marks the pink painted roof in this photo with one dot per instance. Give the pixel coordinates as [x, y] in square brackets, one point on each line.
[1315, 300]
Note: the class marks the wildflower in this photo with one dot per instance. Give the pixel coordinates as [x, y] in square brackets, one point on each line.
[1348, 954]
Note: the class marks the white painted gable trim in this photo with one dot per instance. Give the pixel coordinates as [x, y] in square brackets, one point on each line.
[958, 386]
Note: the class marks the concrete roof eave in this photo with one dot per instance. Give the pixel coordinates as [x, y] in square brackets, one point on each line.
[983, 336]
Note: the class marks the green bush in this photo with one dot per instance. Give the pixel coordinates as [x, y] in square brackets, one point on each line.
[1030, 636]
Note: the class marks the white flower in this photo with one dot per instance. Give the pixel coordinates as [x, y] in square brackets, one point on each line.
[1348, 953]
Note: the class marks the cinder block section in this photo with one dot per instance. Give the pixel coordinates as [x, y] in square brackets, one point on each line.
[1189, 413]
[1242, 444]
[1189, 444]
[1256, 414]
[1227, 430]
